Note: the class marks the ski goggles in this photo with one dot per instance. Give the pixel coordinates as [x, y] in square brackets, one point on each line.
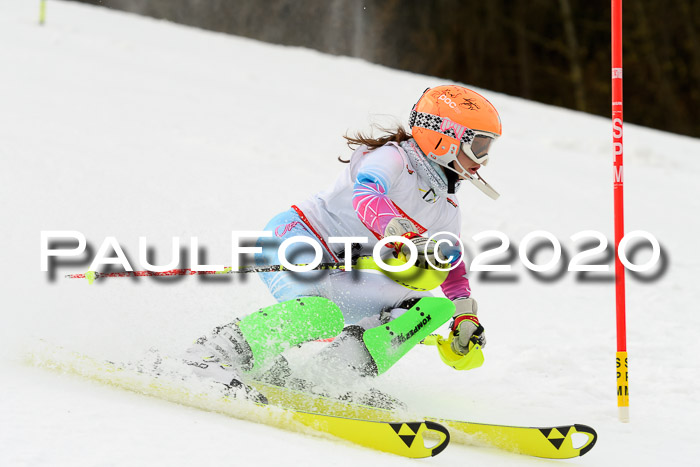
[474, 143]
[478, 149]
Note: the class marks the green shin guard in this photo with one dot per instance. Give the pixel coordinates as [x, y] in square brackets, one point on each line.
[389, 342]
[274, 329]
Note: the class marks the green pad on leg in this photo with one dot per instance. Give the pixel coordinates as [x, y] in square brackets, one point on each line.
[389, 342]
[274, 329]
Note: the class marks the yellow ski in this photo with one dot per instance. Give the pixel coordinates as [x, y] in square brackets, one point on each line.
[292, 410]
[416, 439]
[561, 442]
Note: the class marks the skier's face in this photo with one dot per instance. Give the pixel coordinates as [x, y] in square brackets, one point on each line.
[467, 164]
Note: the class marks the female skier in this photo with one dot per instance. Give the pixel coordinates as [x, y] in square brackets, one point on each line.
[402, 184]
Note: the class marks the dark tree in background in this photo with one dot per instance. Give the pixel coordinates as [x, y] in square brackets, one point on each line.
[553, 51]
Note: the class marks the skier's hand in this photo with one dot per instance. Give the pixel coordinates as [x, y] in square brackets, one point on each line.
[399, 226]
[466, 328]
[429, 251]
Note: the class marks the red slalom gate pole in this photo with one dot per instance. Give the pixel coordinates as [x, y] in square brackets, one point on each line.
[618, 190]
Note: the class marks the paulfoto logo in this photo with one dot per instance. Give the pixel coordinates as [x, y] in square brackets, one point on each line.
[442, 251]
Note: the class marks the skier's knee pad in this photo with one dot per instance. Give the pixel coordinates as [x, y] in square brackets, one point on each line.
[389, 342]
[274, 329]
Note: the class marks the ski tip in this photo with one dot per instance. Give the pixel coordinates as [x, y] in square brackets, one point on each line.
[443, 441]
[592, 438]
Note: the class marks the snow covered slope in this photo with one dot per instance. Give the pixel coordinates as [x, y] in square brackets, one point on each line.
[117, 125]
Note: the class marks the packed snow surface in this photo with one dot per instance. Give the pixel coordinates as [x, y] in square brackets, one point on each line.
[116, 125]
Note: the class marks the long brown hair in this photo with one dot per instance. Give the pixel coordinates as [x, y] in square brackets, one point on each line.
[391, 135]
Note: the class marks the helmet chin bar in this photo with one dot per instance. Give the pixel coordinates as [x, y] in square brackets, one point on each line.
[481, 184]
[476, 180]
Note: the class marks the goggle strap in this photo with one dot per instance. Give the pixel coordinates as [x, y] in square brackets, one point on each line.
[444, 126]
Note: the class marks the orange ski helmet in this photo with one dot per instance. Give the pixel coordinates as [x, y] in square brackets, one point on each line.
[447, 118]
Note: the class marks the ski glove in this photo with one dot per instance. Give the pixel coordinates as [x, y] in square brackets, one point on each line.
[465, 326]
[399, 226]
